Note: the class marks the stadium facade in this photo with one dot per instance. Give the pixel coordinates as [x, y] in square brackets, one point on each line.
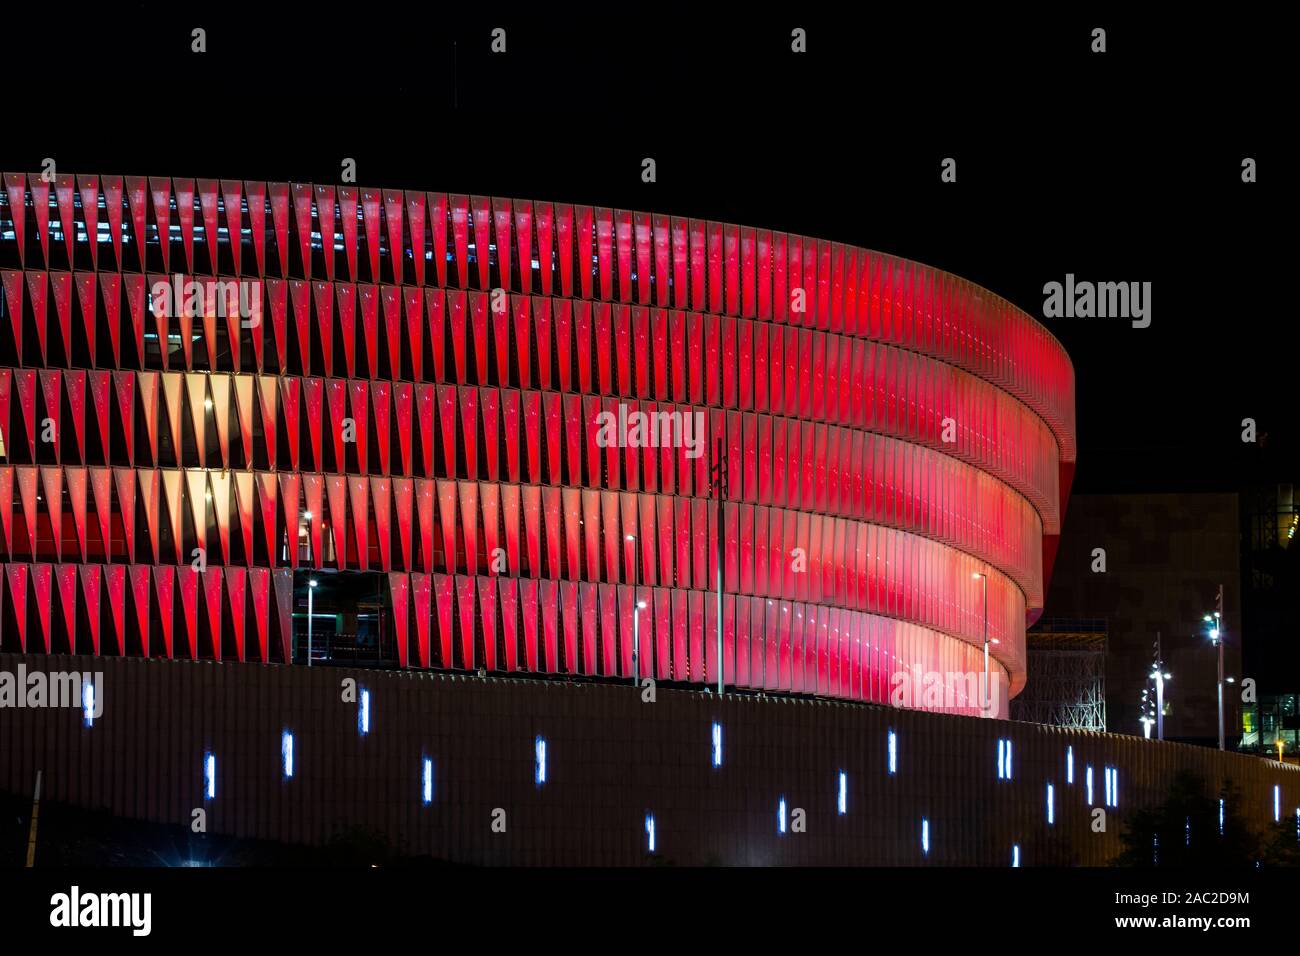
[510, 413]
[506, 419]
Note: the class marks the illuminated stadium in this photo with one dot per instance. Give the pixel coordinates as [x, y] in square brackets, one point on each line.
[494, 460]
[498, 421]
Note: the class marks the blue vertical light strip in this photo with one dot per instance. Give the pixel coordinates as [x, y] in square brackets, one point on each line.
[1009, 774]
[286, 753]
[780, 817]
[1187, 839]
[1114, 787]
[1015, 855]
[925, 835]
[539, 753]
[1088, 780]
[88, 703]
[426, 781]
[842, 799]
[1069, 765]
[363, 712]
[1277, 803]
[1220, 816]
[893, 752]
[650, 832]
[717, 744]
[1051, 805]
[1297, 823]
[1002, 760]
[209, 776]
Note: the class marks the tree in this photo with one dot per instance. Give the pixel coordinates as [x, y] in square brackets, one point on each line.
[1184, 831]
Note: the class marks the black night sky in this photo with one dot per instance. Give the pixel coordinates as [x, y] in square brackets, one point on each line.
[1117, 167]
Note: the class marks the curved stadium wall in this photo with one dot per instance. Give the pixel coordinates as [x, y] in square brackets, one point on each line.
[445, 391]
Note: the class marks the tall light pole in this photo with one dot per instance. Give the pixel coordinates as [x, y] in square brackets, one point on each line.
[985, 578]
[636, 618]
[720, 490]
[311, 590]
[1217, 636]
[311, 586]
[1159, 675]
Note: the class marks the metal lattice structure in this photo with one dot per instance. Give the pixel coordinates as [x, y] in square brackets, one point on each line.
[1067, 682]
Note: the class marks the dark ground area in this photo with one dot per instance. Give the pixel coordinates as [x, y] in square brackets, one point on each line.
[70, 837]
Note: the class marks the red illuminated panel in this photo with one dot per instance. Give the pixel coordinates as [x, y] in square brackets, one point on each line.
[163, 576]
[399, 586]
[141, 581]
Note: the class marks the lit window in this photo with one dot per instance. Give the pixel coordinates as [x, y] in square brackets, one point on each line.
[650, 832]
[1004, 759]
[925, 836]
[893, 752]
[1069, 765]
[1015, 854]
[780, 816]
[426, 781]
[1112, 787]
[717, 744]
[286, 752]
[209, 776]
[842, 802]
[1051, 805]
[1087, 776]
[363, 712]
[539, 750]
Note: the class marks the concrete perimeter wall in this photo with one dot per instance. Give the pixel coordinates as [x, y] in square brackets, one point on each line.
[611, 759]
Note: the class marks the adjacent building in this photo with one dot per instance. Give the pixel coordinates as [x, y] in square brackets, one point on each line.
[1149, 566]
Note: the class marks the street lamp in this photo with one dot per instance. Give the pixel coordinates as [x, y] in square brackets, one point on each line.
[1217, 636]
[985, 578]
[311, 591]
[1160, 676]
[311, 583]
[636, 618]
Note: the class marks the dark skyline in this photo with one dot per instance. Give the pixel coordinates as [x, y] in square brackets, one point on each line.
[1068, 163]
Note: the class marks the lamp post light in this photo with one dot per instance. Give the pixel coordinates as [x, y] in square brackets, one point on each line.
[311, 591]
[636, 617]
[1160, 676]
[1217, 636]
[311, 584]
[306, 532]
[985, 578]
